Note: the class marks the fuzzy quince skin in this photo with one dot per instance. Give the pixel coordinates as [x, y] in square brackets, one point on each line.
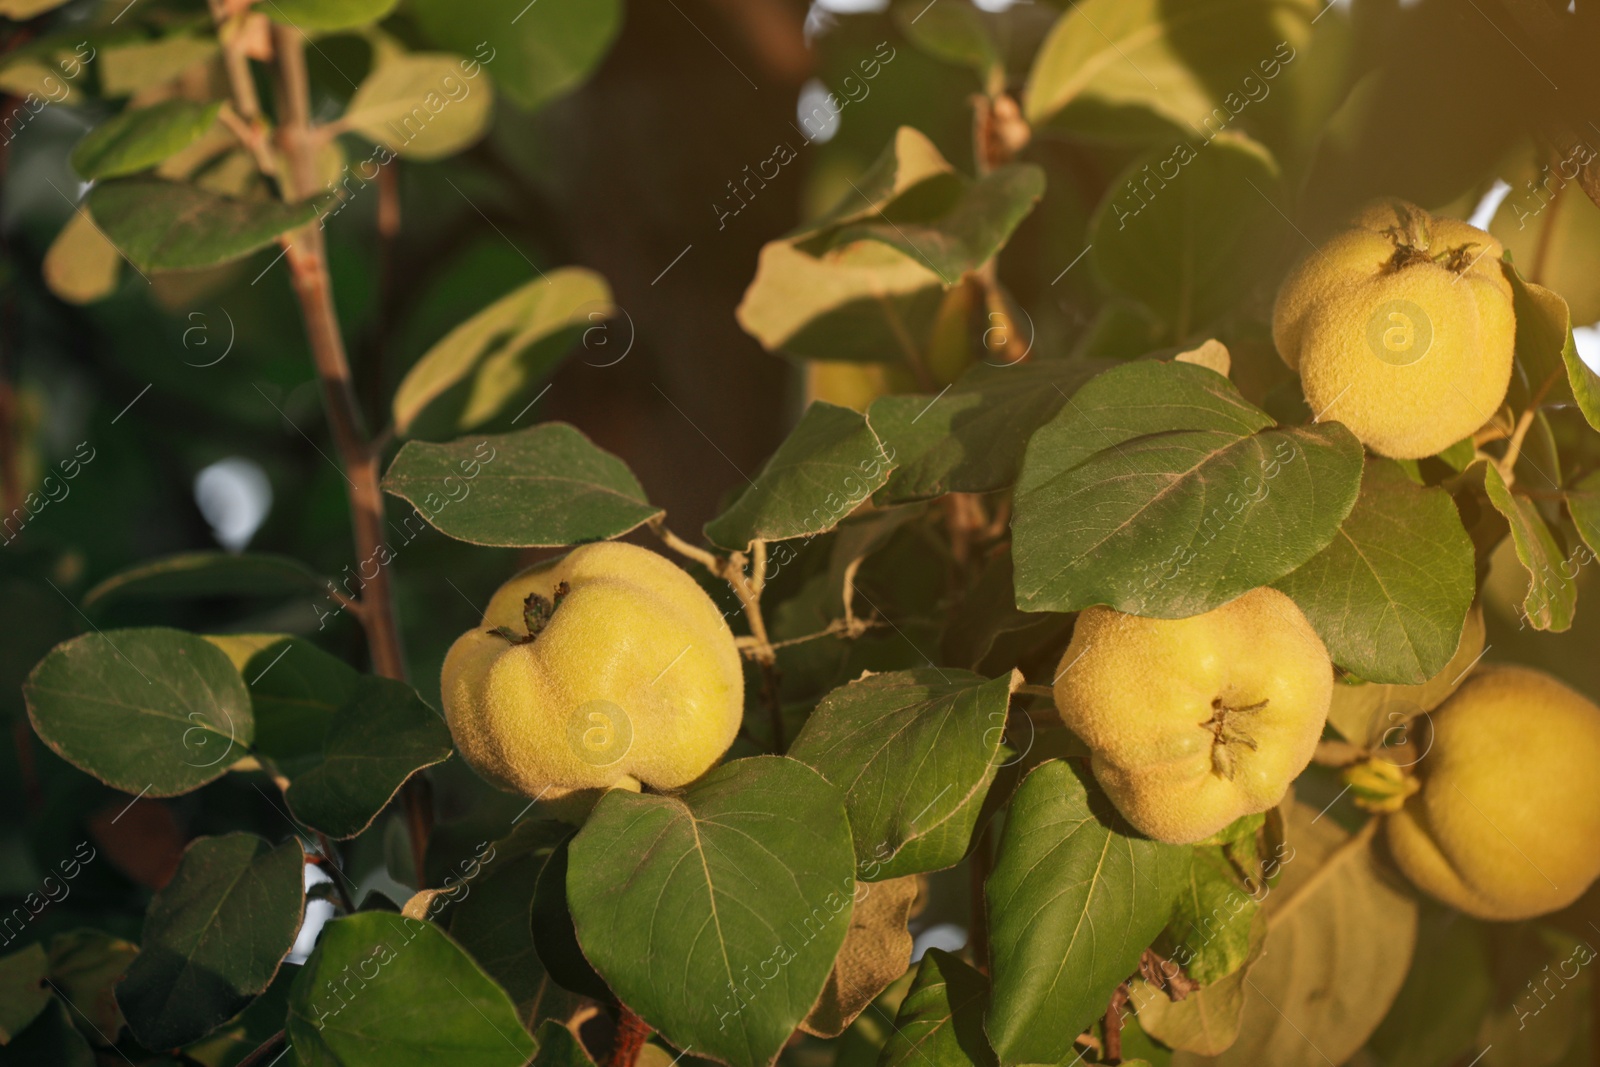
[1507, 822]
[632, 676]
[1401, 327]
[1193, 723]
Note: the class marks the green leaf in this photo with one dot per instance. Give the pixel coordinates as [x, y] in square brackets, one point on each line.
[866, 281]
[962, 234]
[1160, 492]
[139, 138]
[940, 1022]
[1340, 932]
[1121, 69]
[716, 914]
[1074, 900]
[52, 1040]
[914, 753]
[85, 967]
[1583, 504]
[1546, 349]
[161, 225]
[421, 105]
[1207, 1020]
[328, 15]
[1552, 593]
[153, 711]
[828, 465]
[213, 937]
[384, 989]
[491, 921]
[23, 994]
[1211, 919]
[295, 691]
[1446, 994]
[376, 741]
[542, 487]
[1389, 596]
[559, 1047]
[951, 31]
[555, 937]
[1193, 248]
[206, 574]
[488, 361]
[970, 438]
[540, 51]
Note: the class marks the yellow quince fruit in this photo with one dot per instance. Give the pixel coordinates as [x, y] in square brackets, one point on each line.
[1507, 822]
[1193, 723]
[1401, 327]
[607, 667]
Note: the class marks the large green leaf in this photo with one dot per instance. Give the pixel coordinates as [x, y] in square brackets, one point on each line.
[1159, 491]
[970, 438]
[828, 465]
[420, 106]
[139, 138]
[1340, 932]
[914, 752]
[23, 993]
[491, 919]
[1193, 249]
[1075, 898]
[1546, 349]
[1117, 69]
[539, 50]
[1390, 594]
[328, 15]
[716, 914]
[151, 711]
[377, 740]
[483, 364]
[213, 937]
[206, 574]
[381, 989]
[1552, 595]
[161, 225]
[940, 1023]
[542, 487]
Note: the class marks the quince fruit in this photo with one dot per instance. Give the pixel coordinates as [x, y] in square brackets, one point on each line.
[1193, 723]
[1507, 822]
[1401, 327]
[607, 667]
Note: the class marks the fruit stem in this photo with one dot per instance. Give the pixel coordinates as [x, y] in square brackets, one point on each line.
[1508, 464]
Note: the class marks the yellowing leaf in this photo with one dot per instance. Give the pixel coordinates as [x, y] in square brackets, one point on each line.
[81, 266]
[421, 106]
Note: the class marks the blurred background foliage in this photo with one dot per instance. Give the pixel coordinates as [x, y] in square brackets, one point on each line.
[197, 396]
